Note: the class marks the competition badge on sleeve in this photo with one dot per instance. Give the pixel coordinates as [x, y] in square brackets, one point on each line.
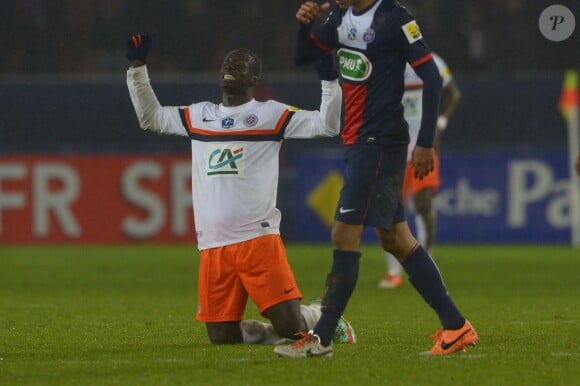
[412, 32]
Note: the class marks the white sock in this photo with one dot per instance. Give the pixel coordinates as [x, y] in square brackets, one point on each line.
[421, 230]
[393, 266]
[311, 314]
[256, 332]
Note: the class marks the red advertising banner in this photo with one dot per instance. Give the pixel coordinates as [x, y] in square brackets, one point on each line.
[95, 199]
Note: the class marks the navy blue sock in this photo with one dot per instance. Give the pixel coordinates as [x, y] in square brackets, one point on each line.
[426, 278]
[340, 284]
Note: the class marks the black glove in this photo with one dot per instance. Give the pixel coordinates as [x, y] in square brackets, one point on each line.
[138, 47]
[325, 67]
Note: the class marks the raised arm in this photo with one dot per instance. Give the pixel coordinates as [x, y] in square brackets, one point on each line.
[326, 121]
[305, 51]
[151, 115]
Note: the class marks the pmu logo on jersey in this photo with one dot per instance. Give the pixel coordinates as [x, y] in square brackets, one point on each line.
[225, 160]
[354, 65]
[227, 123]
[412, 32]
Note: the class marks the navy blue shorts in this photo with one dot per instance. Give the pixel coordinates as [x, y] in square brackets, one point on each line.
[372, 190]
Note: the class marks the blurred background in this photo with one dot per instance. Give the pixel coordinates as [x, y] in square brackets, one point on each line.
[87, 37]
[64, 98]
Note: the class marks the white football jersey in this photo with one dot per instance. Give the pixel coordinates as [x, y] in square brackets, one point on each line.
[412, 99]
[234, 153]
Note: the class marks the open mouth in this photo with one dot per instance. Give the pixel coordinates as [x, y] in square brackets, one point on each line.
[228, 77]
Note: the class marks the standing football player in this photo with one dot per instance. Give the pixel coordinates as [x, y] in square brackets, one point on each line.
[235, 150]
[374, 39]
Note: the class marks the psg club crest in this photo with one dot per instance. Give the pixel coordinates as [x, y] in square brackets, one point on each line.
[227, 123]
[369, 35]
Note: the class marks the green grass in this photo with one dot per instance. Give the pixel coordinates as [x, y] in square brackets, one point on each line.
[125, 316]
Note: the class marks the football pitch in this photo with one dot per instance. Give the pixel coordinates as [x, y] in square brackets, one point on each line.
[124, 315]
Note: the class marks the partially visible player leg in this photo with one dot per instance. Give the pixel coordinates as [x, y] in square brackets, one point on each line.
[256, 332]
[424, 192]
[221, 297]
[425, 218]
[367, 196]
[224, 332]
[344, 333]
[421, 231]
[311, 314]
[394, 276]
[268, 278]
[426, 278]
[288, 319]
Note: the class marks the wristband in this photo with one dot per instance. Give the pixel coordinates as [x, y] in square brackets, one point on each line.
[442, 122]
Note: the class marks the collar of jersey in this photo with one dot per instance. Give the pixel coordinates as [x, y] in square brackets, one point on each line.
[236, 109]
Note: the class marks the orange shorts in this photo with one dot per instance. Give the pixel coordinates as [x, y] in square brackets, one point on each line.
[257, 268]
[414, 185]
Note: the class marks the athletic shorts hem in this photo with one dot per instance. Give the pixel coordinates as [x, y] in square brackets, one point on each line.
[221, 319]
[277, 301]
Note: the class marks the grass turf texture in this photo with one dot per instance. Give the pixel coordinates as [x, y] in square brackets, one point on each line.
[124, 315]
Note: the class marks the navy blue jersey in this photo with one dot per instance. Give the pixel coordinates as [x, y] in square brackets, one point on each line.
[373, 48]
